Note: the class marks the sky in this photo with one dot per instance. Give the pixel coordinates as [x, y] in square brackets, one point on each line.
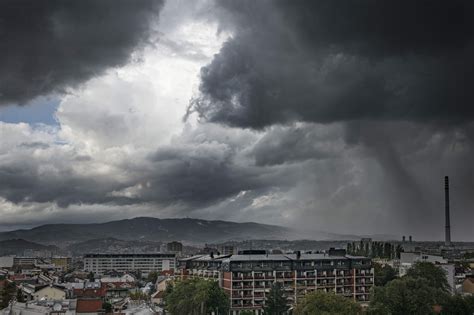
[337, 116]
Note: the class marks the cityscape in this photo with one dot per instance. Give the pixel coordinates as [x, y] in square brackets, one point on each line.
[247, 157]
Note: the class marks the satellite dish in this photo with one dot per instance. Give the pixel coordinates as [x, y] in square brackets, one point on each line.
[57, 307]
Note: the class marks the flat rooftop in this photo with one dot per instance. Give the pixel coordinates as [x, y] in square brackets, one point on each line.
[153, 255]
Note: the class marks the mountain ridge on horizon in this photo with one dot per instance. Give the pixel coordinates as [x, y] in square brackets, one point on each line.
[149, 228]
[186, 230]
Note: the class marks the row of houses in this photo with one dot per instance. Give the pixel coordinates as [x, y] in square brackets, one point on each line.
[246, 277]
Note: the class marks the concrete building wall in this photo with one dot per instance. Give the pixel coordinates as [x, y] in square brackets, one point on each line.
[129, 262]
[6, 261]
[450, 276]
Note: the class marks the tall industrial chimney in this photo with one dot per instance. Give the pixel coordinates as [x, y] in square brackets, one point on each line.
[447, 241]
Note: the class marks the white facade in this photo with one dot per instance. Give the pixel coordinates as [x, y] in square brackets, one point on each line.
[414, 257]
[124, 278]
[145, 263]
[450, 276]
[6, 261]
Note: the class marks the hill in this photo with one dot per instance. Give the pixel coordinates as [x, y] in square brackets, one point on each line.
[190, 231]
[18, 246]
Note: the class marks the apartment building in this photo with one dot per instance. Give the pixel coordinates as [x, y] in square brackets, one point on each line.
[248, 278]
[145, 263]
[62, 262]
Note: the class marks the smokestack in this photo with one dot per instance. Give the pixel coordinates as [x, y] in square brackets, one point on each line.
[447, 241]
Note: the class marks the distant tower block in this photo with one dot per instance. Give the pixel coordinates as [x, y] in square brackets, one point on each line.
[447, 241]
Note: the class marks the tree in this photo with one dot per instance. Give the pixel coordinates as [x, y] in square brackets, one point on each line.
[384, 274]
[7, 294]
[458, 305]
[91, 276]
[435, 276]
[139, 296]
[406, 296]
[19, 296]
[470, 301]
[276, 302]
[398, 250]
[321, 303]
[107, 307]
[196, 296]
[152, 277]
[217, 301]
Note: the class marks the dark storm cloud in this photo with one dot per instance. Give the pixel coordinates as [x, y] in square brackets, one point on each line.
[207, 166]
[48, 46]
[200, 175]
[298, 143]
[396, 76]
[326, 61]
[24, 181]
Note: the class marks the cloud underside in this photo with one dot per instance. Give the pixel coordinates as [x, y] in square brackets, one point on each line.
[327, 61]
[51, 46]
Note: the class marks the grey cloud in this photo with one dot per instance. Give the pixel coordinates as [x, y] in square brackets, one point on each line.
[34, 145]
[298, 143]
[202, 166]
[48, 46]
[24, 181]
[326, 61]
[208, 166]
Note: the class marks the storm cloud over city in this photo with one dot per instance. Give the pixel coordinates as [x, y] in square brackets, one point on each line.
[336, 116]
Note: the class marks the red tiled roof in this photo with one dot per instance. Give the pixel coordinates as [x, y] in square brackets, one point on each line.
[167, 272]
[88, 305]
[90, 292]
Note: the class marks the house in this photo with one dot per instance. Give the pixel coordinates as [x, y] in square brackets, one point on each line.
[63, 307]
[49, 293]
[25, 309]
[468, 285]
[91, 290]
[157, 297]
[89, 306]
[124, 278]
[117, 293]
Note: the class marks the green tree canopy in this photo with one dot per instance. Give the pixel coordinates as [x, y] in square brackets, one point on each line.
[458, 305]
[406, 296]
[7, 294]
[434, 275]
[321, 303]
[196, 297]
[152, 277]
[19, 296]
[384, 274]
[276, 303]
[107, 307]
